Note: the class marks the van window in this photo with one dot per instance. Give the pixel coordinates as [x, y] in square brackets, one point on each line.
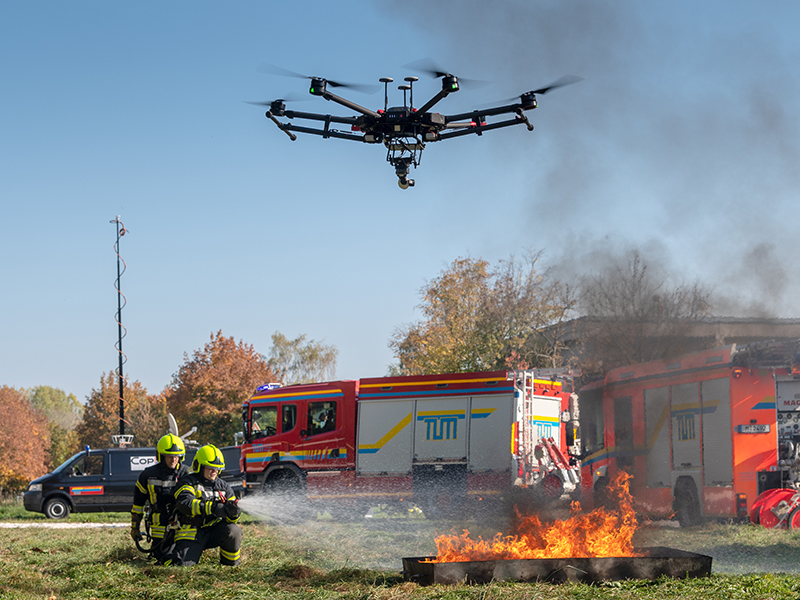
[88, 465]
[67, 463]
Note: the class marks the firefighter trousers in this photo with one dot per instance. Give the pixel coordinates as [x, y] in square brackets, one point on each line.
[225, 536]
[163, 548]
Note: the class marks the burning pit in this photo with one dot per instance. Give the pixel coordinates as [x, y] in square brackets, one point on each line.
[590, 547]
[650, 563]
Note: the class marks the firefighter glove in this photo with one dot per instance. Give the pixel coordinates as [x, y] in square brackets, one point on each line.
[218, 509]
[136, 535]
[232, 510]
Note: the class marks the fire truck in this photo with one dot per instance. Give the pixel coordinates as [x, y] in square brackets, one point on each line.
[702, 434]
[440, 442]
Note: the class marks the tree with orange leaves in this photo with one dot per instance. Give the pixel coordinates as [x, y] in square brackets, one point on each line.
[24, 441]
[145, 415]
[210, 386]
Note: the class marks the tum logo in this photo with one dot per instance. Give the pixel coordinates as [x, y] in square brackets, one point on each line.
[441, 427]
[685, 423]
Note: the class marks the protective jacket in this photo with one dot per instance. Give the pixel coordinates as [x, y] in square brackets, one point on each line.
[157, 484]
[196, 498]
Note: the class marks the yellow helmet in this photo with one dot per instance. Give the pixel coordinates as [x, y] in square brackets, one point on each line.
[170, 444]
[208, 456]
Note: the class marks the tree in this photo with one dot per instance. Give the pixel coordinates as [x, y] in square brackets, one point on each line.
[148, 420]
[63, 413]
[636, 316]
[298, 361]
[24, 439]
[210, 386]
[101, 415]
[476, 319]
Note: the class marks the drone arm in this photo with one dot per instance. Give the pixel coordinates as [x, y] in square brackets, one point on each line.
[325, 133]
[281, 126]
[479, 129]
[488, 112]
[293, 114]
[351, 105]
[430, 103]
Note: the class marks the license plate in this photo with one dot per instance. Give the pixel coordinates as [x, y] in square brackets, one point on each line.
[753, 428]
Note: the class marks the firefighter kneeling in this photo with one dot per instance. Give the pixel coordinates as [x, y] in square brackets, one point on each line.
[208, 510]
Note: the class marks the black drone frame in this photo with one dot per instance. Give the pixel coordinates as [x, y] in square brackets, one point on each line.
[403, 130]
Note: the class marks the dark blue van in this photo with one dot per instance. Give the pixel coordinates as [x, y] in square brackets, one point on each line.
[102, 480]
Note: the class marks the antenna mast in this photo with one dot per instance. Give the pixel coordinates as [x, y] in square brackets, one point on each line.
[121, 331]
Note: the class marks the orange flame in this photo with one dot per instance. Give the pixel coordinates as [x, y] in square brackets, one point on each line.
[600, 533]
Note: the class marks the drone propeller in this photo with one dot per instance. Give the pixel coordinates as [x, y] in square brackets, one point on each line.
[561, 82]
[292, 97]
[276, 70]
[427, 66]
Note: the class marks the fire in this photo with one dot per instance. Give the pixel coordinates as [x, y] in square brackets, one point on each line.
[600, 533]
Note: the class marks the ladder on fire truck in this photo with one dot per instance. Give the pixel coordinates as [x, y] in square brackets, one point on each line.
[540, 454]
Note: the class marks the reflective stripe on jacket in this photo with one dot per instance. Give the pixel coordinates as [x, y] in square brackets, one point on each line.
[196, 498]
[156, 484]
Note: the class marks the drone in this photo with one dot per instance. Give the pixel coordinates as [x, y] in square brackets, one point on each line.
[403, 130]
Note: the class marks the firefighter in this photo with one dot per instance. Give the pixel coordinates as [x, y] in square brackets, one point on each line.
[208, 511]
[157, 484]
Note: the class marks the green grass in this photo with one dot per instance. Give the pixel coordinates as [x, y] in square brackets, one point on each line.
[324, 559]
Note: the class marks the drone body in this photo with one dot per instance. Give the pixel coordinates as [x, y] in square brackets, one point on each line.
[403, 130]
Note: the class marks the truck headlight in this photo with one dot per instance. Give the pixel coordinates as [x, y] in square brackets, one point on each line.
[35, 487]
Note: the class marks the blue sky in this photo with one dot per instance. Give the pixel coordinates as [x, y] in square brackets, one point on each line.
[682, 141]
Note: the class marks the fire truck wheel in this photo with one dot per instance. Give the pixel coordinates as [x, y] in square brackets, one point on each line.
[687, 505]
[794, 519]
[601, 496]
[553, 487]
[441, 504]
[283, 482]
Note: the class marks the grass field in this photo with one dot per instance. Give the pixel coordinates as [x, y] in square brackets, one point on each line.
[323, 559]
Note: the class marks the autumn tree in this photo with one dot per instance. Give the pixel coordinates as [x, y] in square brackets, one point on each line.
[478, 318]
[145, 416]
[210, 386]
[63, 413]
[24, 440]
[301, 361]
[634, 315]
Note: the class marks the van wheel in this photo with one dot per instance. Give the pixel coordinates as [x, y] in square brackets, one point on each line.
[56, 508]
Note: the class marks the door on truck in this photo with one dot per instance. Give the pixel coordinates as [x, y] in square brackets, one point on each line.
[322, 440]
[125, 466]
[440, 453]
[85, 480]
[623, 433]
[686, 452]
